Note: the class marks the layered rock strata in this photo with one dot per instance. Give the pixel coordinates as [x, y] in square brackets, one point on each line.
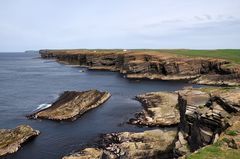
[227, 146]
[205, 114]
[72, 104]
[11, 139]
[160, 109]
[141, 64]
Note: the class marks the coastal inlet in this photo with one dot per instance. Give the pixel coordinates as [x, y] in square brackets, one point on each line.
[28, 81]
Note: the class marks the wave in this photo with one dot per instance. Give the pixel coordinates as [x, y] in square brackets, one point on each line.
[43, 106]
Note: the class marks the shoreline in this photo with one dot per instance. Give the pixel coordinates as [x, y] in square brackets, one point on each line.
[150, 65]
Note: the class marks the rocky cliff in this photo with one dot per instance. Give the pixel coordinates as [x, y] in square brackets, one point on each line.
[199, 116]
[140, 64]
[227, 146]
[204, 114]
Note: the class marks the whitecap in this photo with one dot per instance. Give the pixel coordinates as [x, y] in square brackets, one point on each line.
[43, 106]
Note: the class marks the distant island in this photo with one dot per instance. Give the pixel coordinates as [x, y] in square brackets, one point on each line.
[31, 51]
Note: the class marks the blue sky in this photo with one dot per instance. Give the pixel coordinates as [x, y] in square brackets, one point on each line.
[36, 24]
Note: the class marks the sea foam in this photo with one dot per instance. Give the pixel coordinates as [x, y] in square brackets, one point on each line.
[43, 106]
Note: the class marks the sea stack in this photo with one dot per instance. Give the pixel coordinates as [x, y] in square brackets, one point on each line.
[72, 104]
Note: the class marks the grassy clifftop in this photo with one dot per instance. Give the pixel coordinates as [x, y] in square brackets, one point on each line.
[232, 55]
[229, 54]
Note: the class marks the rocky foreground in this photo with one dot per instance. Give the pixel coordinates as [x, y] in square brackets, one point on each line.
[72, 104]
[203, 116]
[11, 139]
[153, 65]
[147, 144]
[160, 109]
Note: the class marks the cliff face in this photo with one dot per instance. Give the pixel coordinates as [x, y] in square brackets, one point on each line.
[153, 66]
[204, 114]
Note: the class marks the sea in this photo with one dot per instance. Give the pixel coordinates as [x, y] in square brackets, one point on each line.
[29, 83]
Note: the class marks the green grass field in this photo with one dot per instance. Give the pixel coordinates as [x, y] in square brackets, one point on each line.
[232, 55]
[228, 54]
[215, 152]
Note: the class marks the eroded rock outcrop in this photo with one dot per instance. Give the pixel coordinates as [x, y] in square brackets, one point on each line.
[148, 144]
[227, 146]
[72, 104]
[11, 139]
[205, 114]
[152, 65]
[160, 109]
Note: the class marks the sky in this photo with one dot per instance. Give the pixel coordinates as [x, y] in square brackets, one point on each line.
[153, 24]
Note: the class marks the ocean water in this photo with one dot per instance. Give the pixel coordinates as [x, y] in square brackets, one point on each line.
[28, 82]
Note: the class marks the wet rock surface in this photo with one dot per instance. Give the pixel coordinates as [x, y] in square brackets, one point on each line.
[148, 144]
[11, 139]
[144, 64]
[160, 109]
[72, 104]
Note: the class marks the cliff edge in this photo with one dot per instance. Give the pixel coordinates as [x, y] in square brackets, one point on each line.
[152, 65]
